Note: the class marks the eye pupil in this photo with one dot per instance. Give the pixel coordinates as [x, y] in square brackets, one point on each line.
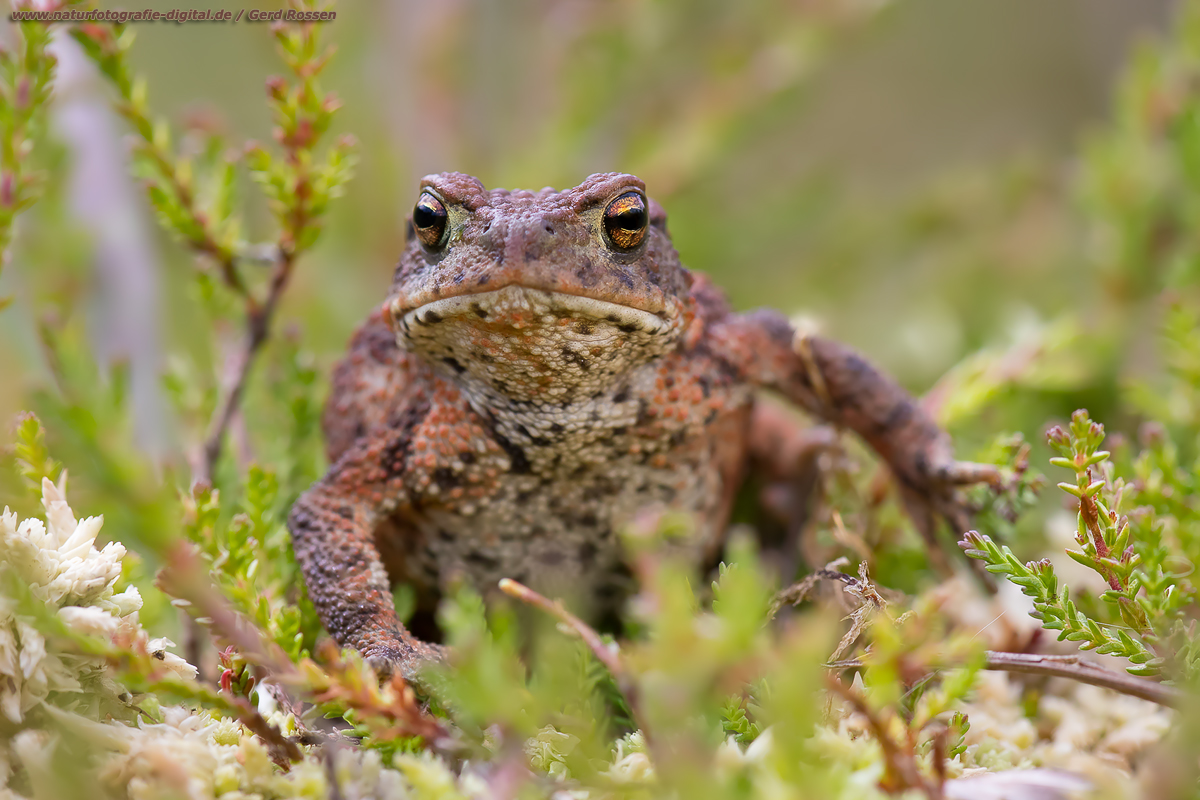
[631, 220]
[625, 220]
[429, 218]
[424, 216]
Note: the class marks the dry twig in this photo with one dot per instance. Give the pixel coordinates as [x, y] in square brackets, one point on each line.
[258, 328]
[1070, 667]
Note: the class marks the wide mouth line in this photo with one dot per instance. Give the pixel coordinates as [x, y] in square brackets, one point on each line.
[481, 305]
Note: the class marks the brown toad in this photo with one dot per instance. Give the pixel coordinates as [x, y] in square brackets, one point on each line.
[543, 368]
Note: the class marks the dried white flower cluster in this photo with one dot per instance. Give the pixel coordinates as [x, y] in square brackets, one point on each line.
[46, 693]
[59, 564]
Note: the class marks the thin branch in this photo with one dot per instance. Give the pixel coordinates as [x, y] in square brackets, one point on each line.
[258, 329]
[799, 591]
[1072, 668]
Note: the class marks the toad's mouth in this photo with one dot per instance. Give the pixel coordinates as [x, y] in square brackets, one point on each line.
[533, 346]
[522, 308]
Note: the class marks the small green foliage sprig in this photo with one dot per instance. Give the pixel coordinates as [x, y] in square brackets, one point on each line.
[906, 676]
[195, 198]
[33, 457]
[735, 722]
[384, 717]
[297, 187]
[1103, 538]
[26, 83]
[1137, 601]
[196, 201]
[907, 702]
[197, 208]
[251, 560]
[1054, 607]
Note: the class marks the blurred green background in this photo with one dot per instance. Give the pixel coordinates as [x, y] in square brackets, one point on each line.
[904, 173]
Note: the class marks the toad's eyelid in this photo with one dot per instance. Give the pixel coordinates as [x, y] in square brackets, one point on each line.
[631, 190]
[434, 193]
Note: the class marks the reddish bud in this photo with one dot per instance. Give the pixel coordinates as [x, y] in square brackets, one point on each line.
[22, 96]
[225, 657]
[1152, 434]
[205, 119]
[100, 34]
[300, 138]
[1057, 437]
[276, 87]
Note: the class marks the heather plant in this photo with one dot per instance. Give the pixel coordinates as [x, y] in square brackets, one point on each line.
[1134, 530]
[26, 78]
[194, 197]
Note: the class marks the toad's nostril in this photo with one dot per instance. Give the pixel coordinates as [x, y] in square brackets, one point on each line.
[548, 228]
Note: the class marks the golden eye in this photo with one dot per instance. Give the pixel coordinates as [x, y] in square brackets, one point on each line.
[625, 220]
[429, 219]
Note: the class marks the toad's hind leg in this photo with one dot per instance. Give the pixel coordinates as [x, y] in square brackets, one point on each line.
[838, 385]
[783, 457]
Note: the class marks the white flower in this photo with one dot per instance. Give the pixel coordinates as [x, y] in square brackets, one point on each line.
[60, 564]
[548, 750]
[126, 602]
[88, 620]
[631, 764]
[188, 755]
[32, 750]
[158, 649]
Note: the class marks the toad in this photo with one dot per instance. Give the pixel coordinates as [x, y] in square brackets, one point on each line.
[543, 368]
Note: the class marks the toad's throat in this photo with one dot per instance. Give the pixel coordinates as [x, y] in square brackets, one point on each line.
[532, 345]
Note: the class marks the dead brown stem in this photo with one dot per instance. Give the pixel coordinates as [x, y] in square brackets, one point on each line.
[258, 329]
[1072, 668]
[798, 592]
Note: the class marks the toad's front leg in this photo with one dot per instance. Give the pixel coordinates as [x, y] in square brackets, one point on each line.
[838, 385]
[332, 527]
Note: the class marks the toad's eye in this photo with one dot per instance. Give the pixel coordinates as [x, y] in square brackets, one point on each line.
[429, 218]
[625, 220]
